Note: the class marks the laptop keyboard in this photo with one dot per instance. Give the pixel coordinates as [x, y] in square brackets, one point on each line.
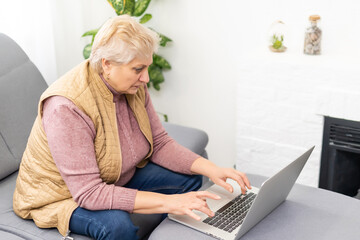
[231, 215]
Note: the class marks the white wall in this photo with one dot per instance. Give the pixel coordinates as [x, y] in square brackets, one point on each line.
[200, 90]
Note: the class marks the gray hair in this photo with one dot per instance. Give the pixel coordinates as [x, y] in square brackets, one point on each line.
[121, 39]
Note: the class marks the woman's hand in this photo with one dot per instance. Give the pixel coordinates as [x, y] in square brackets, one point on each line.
[219, 175]
[181, 204]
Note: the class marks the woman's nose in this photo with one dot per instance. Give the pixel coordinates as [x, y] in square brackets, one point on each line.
[144, 77]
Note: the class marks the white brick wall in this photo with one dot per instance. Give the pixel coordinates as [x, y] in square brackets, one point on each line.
[281, 100]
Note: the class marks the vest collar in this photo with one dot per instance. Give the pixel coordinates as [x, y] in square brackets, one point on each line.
[103, 89]
[112, 90]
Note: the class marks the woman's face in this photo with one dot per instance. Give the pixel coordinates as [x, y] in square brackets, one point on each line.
[127, 78]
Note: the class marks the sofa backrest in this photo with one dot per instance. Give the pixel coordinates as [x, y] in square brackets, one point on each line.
[21, 85]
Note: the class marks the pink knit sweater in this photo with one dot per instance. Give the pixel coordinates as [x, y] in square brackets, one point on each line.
[71, 134]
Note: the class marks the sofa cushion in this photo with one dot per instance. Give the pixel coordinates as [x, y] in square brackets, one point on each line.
[21, 85]
[13, 227]
[9, 236]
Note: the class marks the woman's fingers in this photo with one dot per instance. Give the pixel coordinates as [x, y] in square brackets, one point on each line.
[206, 210]
[203, 207]
[242, 180]
[192, 214]
[224, 184]
[239, 177]
[205, 194]
[235, 176]
[245, 179]
[198, 202]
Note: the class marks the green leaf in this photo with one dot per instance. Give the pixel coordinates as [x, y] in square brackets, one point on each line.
[157, 87]
[166, 118]
[118, 6]
[123, 6]
[161, 62]
[90, 33]
[145, 18]
[140, 7]
[87, 51]
[129, 7]
[156, 76]
[164, 40]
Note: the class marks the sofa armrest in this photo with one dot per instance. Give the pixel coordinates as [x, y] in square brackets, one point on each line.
[191, 138]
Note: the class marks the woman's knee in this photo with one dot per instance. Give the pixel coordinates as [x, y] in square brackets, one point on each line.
[103, 225]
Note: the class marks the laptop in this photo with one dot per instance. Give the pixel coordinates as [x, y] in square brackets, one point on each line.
[237, 213]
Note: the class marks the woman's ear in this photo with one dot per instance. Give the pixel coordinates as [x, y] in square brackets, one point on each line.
[106, 65]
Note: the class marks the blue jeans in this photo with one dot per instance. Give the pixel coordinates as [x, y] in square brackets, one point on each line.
[116, 224]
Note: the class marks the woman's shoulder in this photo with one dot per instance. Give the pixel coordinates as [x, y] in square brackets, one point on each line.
[58, 101]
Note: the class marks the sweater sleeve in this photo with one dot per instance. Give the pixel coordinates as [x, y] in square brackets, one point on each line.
[167, 152]
[71, 133]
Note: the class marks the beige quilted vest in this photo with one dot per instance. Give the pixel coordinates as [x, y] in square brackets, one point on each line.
[40, 193]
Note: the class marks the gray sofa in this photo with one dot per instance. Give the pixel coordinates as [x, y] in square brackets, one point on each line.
[21, 85]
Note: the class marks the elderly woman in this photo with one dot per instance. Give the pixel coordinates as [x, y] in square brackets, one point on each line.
[97, 150]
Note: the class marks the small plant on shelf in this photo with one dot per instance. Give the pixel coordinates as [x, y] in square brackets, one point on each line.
[276, 35]
[277, 43]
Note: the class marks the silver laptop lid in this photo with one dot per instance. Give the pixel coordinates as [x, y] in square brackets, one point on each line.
[273, 192]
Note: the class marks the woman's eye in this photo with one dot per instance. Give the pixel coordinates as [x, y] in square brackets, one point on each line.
[138, 70]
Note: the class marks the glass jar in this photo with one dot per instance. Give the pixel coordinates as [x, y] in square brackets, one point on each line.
[312, 44]
[277, 36]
